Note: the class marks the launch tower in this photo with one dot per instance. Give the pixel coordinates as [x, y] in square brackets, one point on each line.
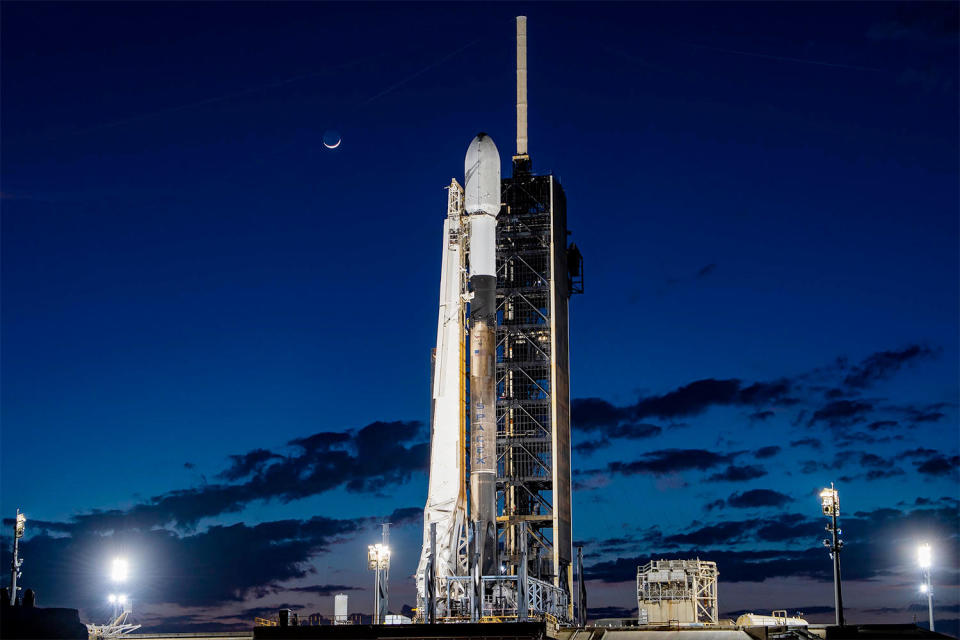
[536, 274]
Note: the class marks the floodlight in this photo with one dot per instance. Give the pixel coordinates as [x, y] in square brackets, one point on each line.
[122, 599]
[830, 500]
[378, 556]
[924, 556]
[112, 598]
[119, 569]
[21, 524]
[924, 588]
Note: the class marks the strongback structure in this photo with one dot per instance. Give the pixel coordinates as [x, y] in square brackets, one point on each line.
[536, 274]
[533, 374]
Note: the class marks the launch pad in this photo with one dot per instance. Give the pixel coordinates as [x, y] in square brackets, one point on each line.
[488, 631]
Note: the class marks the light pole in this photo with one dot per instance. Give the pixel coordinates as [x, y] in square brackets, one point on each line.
[925, 560]
[378, 560]
[830, 501]
[18, 527]
[119, 572]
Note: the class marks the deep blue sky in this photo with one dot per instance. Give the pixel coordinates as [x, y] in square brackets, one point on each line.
[766, 196]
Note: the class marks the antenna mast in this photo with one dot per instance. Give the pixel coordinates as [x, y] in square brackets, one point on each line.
[521, 157]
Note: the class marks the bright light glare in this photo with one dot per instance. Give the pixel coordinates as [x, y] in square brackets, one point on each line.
[378, 556]
[119, 569]
[112, 598]
[122, 599]
[924, 556]
[923, 588]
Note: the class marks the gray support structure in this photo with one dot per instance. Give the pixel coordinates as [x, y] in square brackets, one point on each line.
[476, 591]
[385, 580]
[15, 563]
[432, 576]
[581, 591]
[523, 601]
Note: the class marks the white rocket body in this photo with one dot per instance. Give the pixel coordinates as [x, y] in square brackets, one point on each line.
[482, 204]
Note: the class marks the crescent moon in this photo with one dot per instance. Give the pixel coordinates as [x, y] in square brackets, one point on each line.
[333, 146]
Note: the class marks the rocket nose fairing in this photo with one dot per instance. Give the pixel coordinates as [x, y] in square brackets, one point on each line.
[481, 169]
[482, 203]
[481, 200]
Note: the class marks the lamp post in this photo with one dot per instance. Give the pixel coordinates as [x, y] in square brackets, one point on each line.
[830, 501]
[18, 527]
[925, 560]
[378, 560]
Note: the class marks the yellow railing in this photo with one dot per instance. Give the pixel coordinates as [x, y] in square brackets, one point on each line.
[263, 622]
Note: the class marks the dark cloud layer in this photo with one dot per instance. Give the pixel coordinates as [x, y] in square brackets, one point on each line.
[870, 536]
[222, 564]
[738, 473]
[844, 408]
[692, 399]
[758, 498]
[883, 364]
[363, 461]
[325, 589]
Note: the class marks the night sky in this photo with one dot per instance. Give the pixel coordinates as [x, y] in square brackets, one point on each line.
[216, 332]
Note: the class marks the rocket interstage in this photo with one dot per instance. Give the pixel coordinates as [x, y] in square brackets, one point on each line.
[482, 204]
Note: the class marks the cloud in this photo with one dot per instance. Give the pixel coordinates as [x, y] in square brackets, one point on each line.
[921, 413]
[692, 399]
[626, 431]
[363, 461]
[261, 612]
[666, 461]
[706, 270]
[767, 452]
[738, 473]
[841, 413]
[723, 532]
[869, 538]
[248, 463]
[883, 364]
[325, 589]
[813, 443]
[758, 498]
[939, 465]
[719, 503]
[225, 563]
[219, 565]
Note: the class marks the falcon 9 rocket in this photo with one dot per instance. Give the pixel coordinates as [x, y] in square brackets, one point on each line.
[482, 204]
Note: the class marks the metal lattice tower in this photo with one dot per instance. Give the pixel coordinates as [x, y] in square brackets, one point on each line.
[534, 283]
[533, 375]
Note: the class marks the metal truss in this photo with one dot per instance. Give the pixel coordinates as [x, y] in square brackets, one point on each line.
[501, 599]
